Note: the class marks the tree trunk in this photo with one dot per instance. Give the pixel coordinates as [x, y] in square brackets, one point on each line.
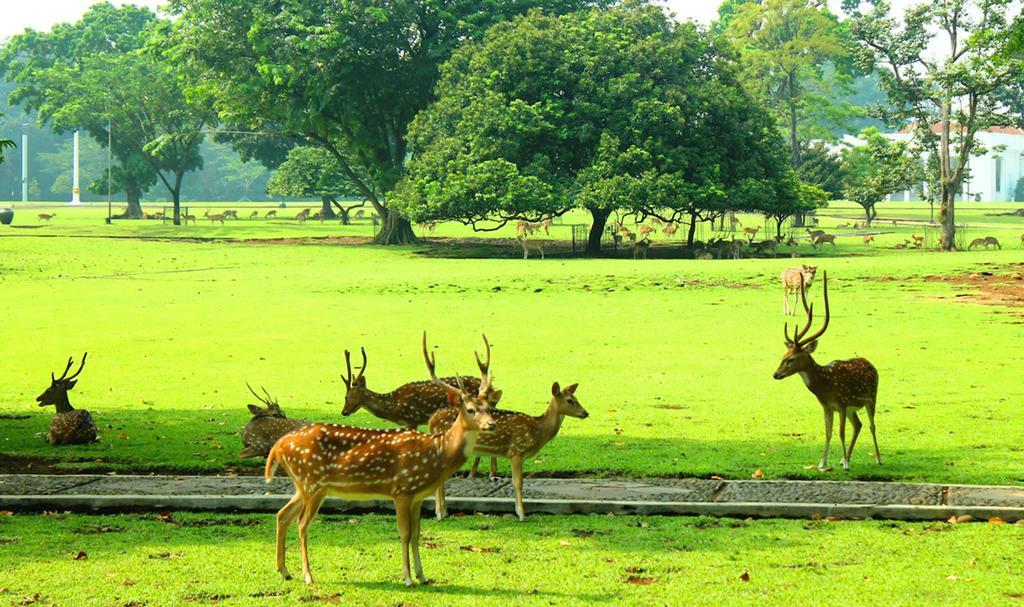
[395, 230]
[778, 227]
[326, 212]
[599, 221]
[946, 219]
[693, 230]
[134, 208]
[794, 139]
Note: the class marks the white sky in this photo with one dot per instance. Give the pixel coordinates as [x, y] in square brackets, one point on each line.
[16, 15]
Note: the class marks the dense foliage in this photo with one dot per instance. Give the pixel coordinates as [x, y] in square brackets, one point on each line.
[877, 169]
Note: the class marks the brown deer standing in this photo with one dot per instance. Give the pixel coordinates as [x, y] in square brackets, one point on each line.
[185, 218]
[751, 233]
[640, 248]
[842, 386]
[266, 426]
[356, 464]
[645, 231]
[516, 437]
[69, 426]
[792, 278]
[411, 404]
[217, 217]
[270, 214]
[45, 217]
[670, 230]
[529, 244]
[985, 242]
[868, 240]
[231, 213]
[814, 234]
[303, 215]
[820, 240]
[254, 215]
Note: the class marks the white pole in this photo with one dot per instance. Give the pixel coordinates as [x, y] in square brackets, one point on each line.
[24, 167]
[74, 186]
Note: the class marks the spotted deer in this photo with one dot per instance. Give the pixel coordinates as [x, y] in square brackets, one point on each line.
[841, 386]
[185, 218]
[216, 217]
[529, 244]
[516, 437]
[266, 426]
[411, 404]
[355, 464]
[820, 240]
[791, 281]
[670, 230]
[69, 426]
[868, 240]
[751, 233]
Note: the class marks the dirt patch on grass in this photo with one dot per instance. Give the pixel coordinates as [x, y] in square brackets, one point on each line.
[989, 288]
[328, 240]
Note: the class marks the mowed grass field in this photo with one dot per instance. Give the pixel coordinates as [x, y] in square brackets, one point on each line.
[198, 559]
[674, 357]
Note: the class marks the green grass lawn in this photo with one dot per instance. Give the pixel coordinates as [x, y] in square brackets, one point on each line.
[674, 357]
[187, 559]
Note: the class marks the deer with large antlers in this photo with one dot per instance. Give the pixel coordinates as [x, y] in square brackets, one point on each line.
[266, 426]
[403, 465]
[69, 426]
[842, 386]
[516, 437]
[411, 405]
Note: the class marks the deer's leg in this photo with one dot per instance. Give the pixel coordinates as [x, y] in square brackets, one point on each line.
[285, 518]
[494, 468]
[403, 510]
[856, 432]
[416, 515]
[517, 482]
[842, 437]
[312, 505]
[440, 507]
[871, 422]
[472, 469]
[829, 414]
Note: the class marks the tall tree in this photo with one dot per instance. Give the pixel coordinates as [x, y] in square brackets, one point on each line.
[794, 58]
[877, 169]
[348, 76]
[313, 171]
[103, 70]
[946, 87]
[602, 110]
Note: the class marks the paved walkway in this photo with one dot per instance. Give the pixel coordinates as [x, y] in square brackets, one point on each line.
[844, 499]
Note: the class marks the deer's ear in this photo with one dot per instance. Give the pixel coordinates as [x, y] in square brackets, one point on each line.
[453, 398]
[254, 409]
[72, 383]
[572, 389]
[495, 396]
[809, 348]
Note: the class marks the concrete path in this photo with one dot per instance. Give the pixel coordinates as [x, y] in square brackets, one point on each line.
[790, 499]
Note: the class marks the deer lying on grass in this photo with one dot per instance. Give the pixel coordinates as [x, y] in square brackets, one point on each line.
[356, 464]
[217, 217]
[411, 404]
[266, 426]
[69, 426]
[45, 217]
[985, 242]
[792, 278]
[842, 386]
[516, 437]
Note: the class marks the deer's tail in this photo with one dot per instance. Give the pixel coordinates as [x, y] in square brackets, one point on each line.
[272, 463]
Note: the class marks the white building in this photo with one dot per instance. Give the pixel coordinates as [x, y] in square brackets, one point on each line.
[993, 175]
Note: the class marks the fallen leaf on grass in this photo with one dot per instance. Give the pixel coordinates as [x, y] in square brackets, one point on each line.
[640, 581]
[564, 543]
[478, 549]
[745, 576]
[757, 474]
[81, 556]
[122, 436]
[126, 583]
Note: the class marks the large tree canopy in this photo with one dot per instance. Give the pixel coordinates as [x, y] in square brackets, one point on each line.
[99, 72]
[348, 76]
[795, 58]
[876, 169]
[607, 109]
[947, 87]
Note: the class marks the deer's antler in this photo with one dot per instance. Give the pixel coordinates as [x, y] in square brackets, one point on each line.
[804, 341]
[80, 367]
[268, 401]
[485, 366]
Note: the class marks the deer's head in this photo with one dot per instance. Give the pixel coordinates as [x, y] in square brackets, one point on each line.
[808, 272]
[565, 400]
[355, 387]
[799, 347]
[474, 409]
[57, 393]
[272, 408]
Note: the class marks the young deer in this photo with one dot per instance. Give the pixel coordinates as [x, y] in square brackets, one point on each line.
[69, 426]
[45, 217]
[355, 464]
[411, 404]
[842, 386]
[791, 281]
[266, 426]
[516, 437]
